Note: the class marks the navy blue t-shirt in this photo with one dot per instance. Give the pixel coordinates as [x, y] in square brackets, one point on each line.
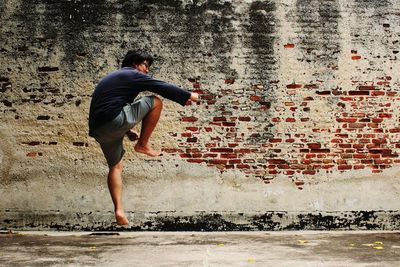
[120, 87]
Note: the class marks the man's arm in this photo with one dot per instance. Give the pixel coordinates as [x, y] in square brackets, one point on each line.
[172, 92]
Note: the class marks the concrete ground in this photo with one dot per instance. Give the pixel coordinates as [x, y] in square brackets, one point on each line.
[301, 248]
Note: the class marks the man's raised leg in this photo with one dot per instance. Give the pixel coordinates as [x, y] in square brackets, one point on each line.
[149, 122]
[114, 181]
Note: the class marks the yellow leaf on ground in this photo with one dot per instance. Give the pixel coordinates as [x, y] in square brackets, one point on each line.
[251, 260]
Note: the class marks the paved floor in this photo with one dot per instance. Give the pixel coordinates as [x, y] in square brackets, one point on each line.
[200, 249]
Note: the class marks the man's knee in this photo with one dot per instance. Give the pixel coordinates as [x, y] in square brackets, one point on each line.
[157, 102]
[117, 167]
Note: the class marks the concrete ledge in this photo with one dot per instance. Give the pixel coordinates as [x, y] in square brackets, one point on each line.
[201, 221]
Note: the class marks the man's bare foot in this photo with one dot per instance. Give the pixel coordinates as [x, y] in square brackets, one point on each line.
[147, 150]
[120, 218]
[132, 135]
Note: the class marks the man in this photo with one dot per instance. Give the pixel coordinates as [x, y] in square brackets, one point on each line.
[113, 114]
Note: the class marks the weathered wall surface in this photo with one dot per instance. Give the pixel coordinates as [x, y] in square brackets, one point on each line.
[298, 124]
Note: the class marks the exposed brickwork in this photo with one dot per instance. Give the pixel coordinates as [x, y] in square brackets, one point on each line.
[364, 133]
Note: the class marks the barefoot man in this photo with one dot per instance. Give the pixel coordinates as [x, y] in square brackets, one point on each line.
[114, 111]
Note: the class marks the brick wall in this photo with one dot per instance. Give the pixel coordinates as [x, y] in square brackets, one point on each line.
[292, 89]
[333, 109]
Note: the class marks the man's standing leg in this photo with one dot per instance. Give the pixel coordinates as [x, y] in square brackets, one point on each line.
[114, 181]
[149, 122]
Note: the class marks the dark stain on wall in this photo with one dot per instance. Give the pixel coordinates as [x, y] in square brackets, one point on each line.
[214, 221]
[362, 33]
[74, 20]
[70, 24]
[196, 32]
[262, 33]
[318, 23]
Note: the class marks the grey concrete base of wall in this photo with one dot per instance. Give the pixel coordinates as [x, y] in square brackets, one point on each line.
[202, 221]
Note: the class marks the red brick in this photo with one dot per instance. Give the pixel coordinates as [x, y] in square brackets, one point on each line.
[379, 141]
[327, 166]
[229, 156]
[346, 98]
[275, 140]
[283, 166]
[32, 154]
[356, 93]
[196, 160]
[293, 86]
[216, 119]
[299, 183]
[242, 150]
[193, 129]
[228, 124]
[255, 98]
[383, 161]
[244, 119]
[349, 120]
[189, 119]
[288, 45]
[385, 115]
[377, 120]
[357, 125]
[344, 167]
[359, 167]
[314, 145]
[235, 161]
[311, 86]
[217, 161]
[221, 150]
[377, 93]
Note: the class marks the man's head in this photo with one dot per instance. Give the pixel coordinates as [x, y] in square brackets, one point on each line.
[138, 59]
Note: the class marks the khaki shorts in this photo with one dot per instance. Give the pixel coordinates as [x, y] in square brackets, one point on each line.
[110, 135]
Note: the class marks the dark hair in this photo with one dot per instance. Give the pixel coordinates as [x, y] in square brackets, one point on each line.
[134, 57]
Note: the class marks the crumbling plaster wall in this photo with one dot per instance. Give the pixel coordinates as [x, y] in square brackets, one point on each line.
[298, 111]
